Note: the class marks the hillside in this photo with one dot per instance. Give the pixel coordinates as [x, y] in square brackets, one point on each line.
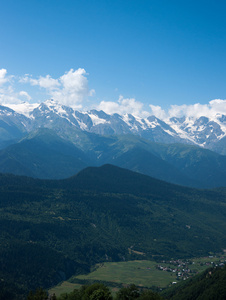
[209, 285]
[44, 154]
[53, 229]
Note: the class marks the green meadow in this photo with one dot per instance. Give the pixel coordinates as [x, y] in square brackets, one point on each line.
[142, 273]
[64, 287]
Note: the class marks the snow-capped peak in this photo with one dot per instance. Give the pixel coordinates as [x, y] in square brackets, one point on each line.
[55, 106]
[203, 131]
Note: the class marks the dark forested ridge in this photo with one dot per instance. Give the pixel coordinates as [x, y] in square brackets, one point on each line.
[53, 229]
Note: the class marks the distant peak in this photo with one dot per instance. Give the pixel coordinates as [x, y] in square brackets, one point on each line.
[51, 102]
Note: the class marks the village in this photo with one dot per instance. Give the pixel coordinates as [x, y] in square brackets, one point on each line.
[184, 269]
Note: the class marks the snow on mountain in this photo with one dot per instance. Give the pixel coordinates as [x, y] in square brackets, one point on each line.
[56, 108]
[96, 120]
[24, 108]
[202, 131]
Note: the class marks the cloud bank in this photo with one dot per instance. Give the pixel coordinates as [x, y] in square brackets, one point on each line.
[7, 93]
[3, 78]
[72, 89]
[69, 89]
[123, 106]
[197, 110]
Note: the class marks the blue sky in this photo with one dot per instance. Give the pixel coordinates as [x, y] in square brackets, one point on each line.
[161, 53]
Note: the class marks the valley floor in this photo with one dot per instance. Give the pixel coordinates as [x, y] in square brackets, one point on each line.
[142, 273]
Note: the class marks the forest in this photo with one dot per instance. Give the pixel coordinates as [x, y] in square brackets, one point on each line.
[53, 229]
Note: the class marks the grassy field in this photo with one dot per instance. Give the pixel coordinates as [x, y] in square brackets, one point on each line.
[142, 273]
[64, 287]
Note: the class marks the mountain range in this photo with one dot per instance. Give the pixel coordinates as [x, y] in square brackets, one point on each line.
[203, 131]
[51, 141]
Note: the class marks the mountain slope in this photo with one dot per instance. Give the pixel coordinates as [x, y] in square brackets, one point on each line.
[137, 154]
[203, 165]
[42, 154]
[104, 213]
[176, 163]
[209, 285]
[11, 126]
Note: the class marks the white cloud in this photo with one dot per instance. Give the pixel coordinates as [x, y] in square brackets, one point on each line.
[158, 111]
[45, 82]
[109, 107]
[8, 95]
[69, 89]
[197, 110]
[4, 78]
[72, 89]
[75, 81]
[25, 94]
[123, 106]
[218, 106]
